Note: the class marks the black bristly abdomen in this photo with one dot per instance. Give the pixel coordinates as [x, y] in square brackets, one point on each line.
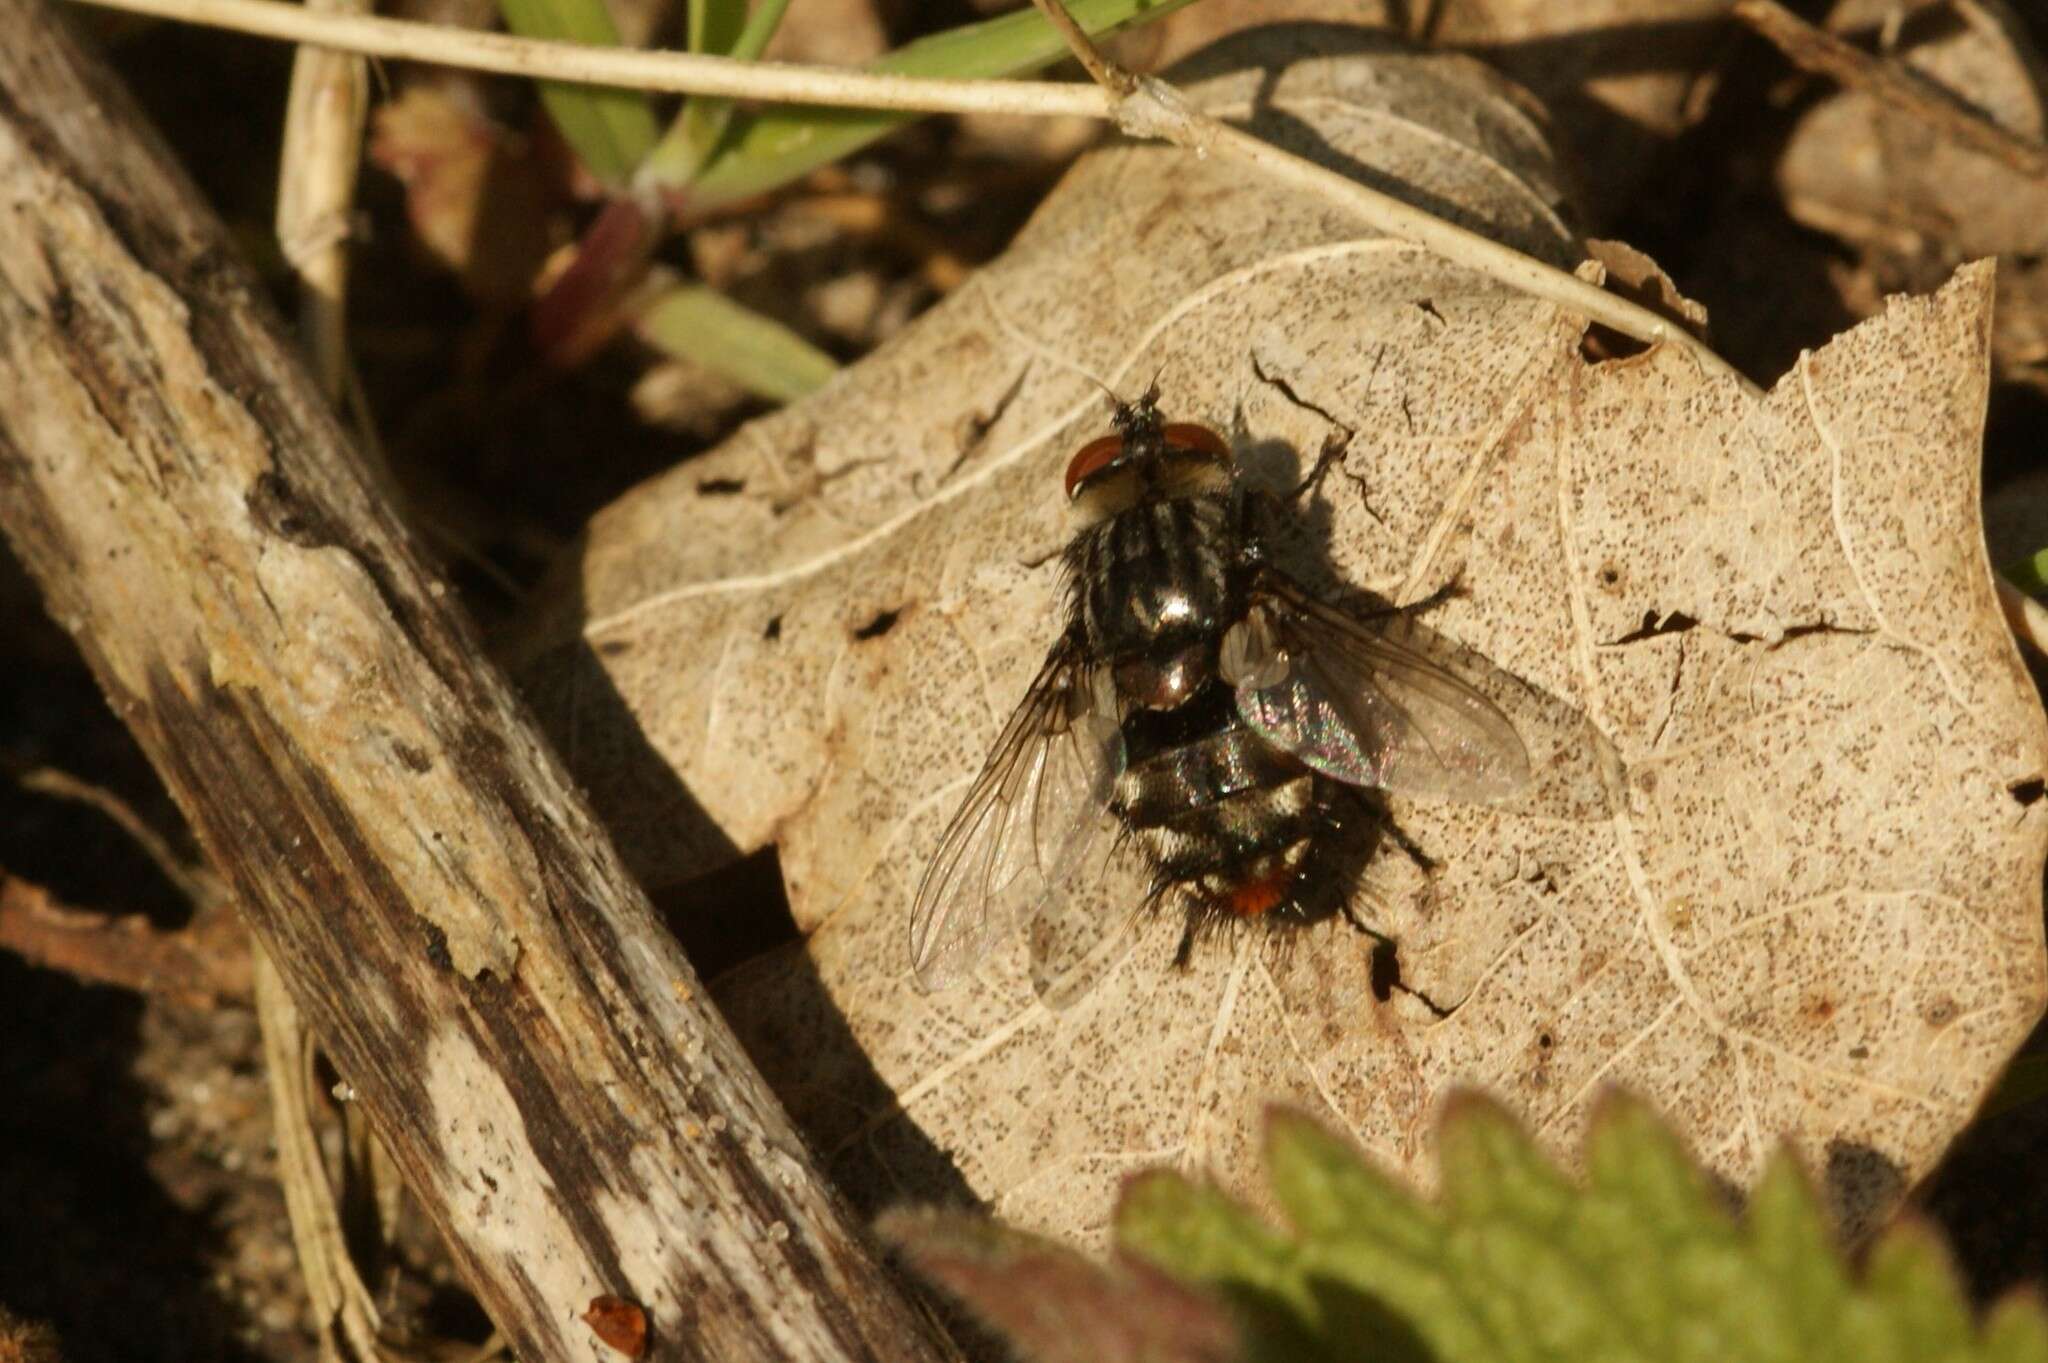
[1229, 822]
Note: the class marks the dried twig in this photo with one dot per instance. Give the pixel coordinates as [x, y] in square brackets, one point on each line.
[316, 189]
[1112, 78]
[317, 171]
[197, 884]
[1891, 84]
[199, 965]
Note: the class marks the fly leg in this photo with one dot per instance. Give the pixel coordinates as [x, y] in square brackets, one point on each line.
[1448, 591]
[1397, 835]
[1330, 456]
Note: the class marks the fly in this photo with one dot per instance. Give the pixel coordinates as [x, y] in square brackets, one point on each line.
[1201, 709]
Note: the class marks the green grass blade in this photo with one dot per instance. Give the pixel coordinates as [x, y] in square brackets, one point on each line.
[772, 148]
[760, 27]
[756, 352]
[611, 131]
[700, 124]
[714, 25]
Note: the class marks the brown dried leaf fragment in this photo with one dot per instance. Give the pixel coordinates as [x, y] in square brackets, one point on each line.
[619, 1323]
[1055, 1306]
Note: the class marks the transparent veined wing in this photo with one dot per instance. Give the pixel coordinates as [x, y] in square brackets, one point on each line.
[1079, 935]
[1358, 705]
[1029, 819]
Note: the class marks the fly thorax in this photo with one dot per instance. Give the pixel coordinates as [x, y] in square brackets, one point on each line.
[1152, 582]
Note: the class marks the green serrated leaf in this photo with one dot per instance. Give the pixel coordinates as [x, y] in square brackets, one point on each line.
[771, 148]
[1195, 1232]
[1327, 1192]
[1201, 1237]
[755, 352]
[1631, 1154]
[611, 131]
[1910, 1274]
[1789, 1241]
[2017, 1331]
[1514, 1264]
[1491, 1172]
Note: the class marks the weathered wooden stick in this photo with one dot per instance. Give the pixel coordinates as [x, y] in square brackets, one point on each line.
[560, 1094]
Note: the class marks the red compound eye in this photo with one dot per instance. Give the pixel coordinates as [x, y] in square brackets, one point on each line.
[1190, 436]
[1091, 459]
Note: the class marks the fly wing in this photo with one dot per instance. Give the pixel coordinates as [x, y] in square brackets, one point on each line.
[1359, 706]
[1027, 821]
[1081, 934]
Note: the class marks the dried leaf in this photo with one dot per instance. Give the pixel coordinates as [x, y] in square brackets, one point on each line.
[1812, 909]
[1056, 1306]
[619, 1323]
[461, 170]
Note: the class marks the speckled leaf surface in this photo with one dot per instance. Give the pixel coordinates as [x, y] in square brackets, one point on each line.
[1801, 899]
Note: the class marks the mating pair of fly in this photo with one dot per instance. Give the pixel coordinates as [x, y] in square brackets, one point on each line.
[1201, 708]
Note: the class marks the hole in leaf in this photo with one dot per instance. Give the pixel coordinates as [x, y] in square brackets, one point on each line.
[1656, 623]
[880, 625]
[1603, 344]
[1386, 969]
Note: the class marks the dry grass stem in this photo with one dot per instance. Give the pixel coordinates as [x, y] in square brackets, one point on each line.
[627, 68]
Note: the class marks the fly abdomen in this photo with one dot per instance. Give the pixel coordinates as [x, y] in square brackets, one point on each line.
[1223, 836]
[1201, 771]
[1221, 814]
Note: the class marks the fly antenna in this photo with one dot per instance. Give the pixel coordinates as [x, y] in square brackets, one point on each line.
[1116, 399]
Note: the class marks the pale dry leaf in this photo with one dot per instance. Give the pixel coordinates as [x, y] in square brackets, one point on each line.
[1811, 907]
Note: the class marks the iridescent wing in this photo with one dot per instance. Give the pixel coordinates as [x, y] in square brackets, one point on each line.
[1362, 707]
[1029, 820]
